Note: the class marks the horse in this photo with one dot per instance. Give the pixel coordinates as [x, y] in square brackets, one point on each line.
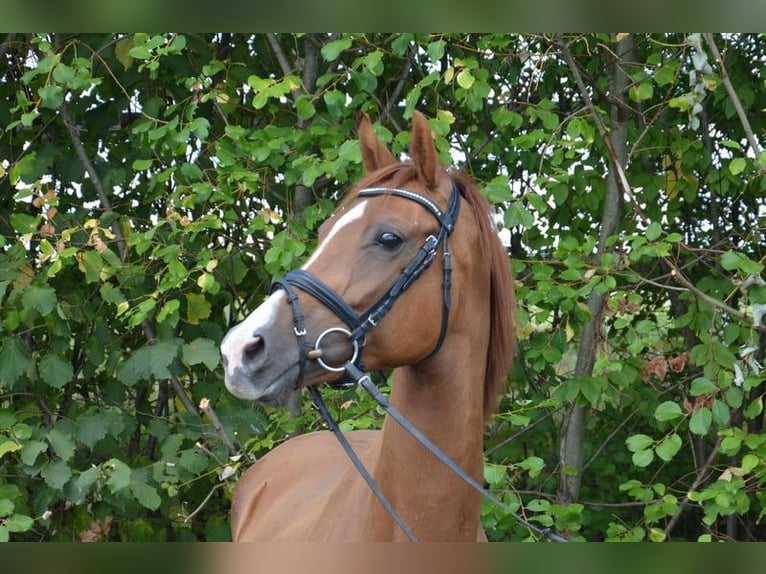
[448, 334]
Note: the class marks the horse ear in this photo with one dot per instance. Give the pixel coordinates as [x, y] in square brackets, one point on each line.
[422, 149]
[374, 153]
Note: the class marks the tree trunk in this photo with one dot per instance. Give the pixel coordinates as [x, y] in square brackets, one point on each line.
[573, 429]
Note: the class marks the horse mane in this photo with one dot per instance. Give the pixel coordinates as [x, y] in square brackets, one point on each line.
[502, 298]
[502, 328]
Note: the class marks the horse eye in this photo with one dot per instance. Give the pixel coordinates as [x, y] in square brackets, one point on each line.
[390, 241]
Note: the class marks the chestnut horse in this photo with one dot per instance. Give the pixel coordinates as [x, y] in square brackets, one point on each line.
[450, 361]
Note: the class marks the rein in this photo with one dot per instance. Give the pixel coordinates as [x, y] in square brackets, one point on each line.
[359, 323]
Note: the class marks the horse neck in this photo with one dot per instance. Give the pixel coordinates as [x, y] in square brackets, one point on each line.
[443, 398]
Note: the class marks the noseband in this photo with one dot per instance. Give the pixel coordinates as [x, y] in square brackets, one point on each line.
[359, 323]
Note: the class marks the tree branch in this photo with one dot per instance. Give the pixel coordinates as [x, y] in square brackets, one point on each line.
[615, 140]
[202, 504]
[90, 169]
[608, 440]
[207, 408]
[733, 95]
[628, 191]
[616, 165]
[683, 280]
[5, 46]
[284, 63]
[174, 382]
[701, 475]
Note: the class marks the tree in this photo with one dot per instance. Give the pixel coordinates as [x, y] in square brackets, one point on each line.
[152, 184]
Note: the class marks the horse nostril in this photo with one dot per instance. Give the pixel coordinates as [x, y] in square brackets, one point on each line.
[253, 349]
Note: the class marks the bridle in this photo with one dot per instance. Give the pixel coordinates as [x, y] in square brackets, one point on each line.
[360, 323]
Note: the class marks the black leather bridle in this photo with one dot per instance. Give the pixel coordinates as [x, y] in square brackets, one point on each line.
[359, 323]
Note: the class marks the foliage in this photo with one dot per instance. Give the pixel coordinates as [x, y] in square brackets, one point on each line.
[151, 184]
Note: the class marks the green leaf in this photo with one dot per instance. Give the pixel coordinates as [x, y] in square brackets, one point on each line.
[669, 446]
[60, 439]
[31, 450]
[336, 102]
[374, 62]
[643, 458]
[721, 413]
[494, 474]
[682, 103]
[518, 215]
[14, 360]
[122, 52]
[590, 388]
[24, 223]
[654, 231]
[642, 92]
[42, 299]
[435, 50]
[91, 264]
[51, 96]
[754, 409]
[169, 312]
[111, 294]
[19, 523]
[537, 202]
[700, 422]
[638, 442]
[750, 462]
[148, 361]
[305, 107]
[538, 505]
[197, 308]
[9, 491]
[91, 428]
[533, 464]
[136, 368]
[81, 485]
[737, 165]
[56, 474]
[202, 350]
[142, 164]
[200, 127]
[465, 79]
[55, 371]
[7, 419]
[139, 53]
[733, 260]
[333, 49]
[702, 386]
[193, 460]
[666, 74]
[119, 475]
[668, 411]
[7, 446]
[146, 495]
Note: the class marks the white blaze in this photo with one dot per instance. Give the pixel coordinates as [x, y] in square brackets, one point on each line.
[353, 214]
